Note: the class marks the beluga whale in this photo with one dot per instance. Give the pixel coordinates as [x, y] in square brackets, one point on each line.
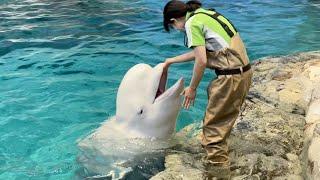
[145, 120]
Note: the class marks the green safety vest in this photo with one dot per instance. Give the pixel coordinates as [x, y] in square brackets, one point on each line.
[208, 28]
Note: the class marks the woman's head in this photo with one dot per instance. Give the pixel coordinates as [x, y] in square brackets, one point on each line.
[175, 11]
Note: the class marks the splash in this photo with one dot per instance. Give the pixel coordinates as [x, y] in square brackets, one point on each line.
[113, 153]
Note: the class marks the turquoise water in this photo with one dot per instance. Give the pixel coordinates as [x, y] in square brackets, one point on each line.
[62, 61]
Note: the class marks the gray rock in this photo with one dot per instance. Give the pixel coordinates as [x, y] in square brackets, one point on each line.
[281, 75]
[268, 166]
[289, 177]
[316, 131]
[292, 157]
[181, 166]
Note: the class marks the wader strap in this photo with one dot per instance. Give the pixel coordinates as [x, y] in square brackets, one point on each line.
[215, 17]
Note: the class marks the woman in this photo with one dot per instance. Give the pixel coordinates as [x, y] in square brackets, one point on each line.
[217, 45]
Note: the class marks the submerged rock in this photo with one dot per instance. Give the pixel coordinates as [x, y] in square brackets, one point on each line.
[271, 138]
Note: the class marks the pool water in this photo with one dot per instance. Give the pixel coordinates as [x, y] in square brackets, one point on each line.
[61, 63]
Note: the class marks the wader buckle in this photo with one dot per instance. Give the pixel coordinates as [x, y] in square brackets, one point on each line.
[241, 70]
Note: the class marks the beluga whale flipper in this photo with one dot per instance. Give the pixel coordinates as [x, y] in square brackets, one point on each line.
[145, 110]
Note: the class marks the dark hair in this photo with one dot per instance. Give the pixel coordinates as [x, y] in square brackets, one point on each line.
[177, 9]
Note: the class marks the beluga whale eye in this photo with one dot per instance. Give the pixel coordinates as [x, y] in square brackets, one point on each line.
[141, 111]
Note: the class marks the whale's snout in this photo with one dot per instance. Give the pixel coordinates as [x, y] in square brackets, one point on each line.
[173, 92]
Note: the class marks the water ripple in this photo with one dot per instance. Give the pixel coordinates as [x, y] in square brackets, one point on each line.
[26, 66]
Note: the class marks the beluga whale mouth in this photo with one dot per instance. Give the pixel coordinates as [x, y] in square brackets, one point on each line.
[162, 92]
[162, 84]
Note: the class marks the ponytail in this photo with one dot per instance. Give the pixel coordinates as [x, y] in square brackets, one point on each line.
[193, 5]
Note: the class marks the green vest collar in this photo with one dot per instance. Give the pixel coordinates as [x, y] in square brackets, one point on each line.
[197, 10]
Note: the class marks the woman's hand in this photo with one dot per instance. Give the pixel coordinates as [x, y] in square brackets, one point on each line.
[189, 97]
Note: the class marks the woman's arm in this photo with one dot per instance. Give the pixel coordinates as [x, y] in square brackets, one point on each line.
[198, 70]
[181, 58]
[199, 66]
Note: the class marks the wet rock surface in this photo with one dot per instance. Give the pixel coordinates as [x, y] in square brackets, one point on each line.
[277, 135]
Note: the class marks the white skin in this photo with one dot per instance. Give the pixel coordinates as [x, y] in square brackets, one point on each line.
[199, 55]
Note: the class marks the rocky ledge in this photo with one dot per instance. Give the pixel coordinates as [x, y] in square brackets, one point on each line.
[277, 135]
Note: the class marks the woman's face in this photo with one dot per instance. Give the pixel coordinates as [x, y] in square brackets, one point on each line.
[178, 23]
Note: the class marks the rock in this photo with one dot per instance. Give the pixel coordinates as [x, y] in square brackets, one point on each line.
[308, 132]
[292, 92]
[294, 164]
[292, 157]
[259, 163]
[316, 131]
[314, 74]
[246, 177]
[263, 68]
[280, 75]
[314, 158]
[289, 177]
[314, 153]
[180, 166]
[313, 114]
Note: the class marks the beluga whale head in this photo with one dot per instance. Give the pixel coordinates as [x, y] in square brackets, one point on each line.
[144, 103]
[145, 120]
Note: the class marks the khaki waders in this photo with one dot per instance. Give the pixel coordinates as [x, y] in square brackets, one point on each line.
[226, 94]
